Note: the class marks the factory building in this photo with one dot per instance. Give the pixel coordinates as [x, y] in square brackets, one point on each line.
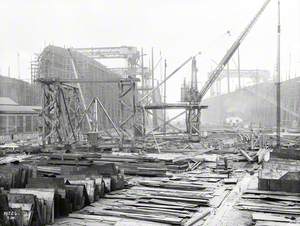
[19, 106]
[23, 93]
[17, 119]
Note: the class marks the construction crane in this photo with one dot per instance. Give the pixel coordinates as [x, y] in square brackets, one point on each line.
[218, 70]
[194, 96]
[193, 118]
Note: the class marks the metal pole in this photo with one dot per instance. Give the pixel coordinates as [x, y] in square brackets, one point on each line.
[134, 114]
[79, 88]
[154, 118]
[162, 120]
[228, 79]
[107, 115]
[19, 72]
[43, 86]
[156, 143]
[143, 79]
[167, 78]
[96, 115]
[152, 72]
[167, 122]
[278, 115]
[165, 96]
[290, 59]
[239, 67]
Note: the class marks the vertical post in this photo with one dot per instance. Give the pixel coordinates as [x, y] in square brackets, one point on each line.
[153, 93]
[133, 84]
[165, 96]
[121, 141]
[184, 90]
[43, 86]
[142, 71]
[31, 128]
[278, 115]
[143, 91]
[18, 61]
[239, 68]
[24, 124]
[7, 124]
[149, 97]
[290, 59]
[228, 79]
[16, 125]
[195, 74]
[144, 121]
[152, 70]
[96, 115]
[79, 88]
[218, 86]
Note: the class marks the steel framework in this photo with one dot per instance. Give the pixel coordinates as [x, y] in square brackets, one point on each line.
[192, 112]
[132, 118]
[64, 115]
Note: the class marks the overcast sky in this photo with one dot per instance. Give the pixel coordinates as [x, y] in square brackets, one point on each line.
[177, 28]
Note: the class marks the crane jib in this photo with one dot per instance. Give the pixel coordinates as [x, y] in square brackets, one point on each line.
[217, 71]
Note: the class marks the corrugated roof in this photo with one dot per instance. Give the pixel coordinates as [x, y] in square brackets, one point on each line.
[7, 101]
[18, 109]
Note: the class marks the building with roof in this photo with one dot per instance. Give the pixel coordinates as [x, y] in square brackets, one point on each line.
[15, 118]
[22, 92]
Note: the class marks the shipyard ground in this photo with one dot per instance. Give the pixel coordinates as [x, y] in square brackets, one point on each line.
[179, 183]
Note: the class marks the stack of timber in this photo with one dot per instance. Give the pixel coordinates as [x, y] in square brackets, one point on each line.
[271, 207]
[182, 199]
[37, 192]
[13, 158]
[170, 206]
[129, 163]
[79, 166]
[14, 175]
[45, 199]
[85, 186]
[146, 165]
[36, 205]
